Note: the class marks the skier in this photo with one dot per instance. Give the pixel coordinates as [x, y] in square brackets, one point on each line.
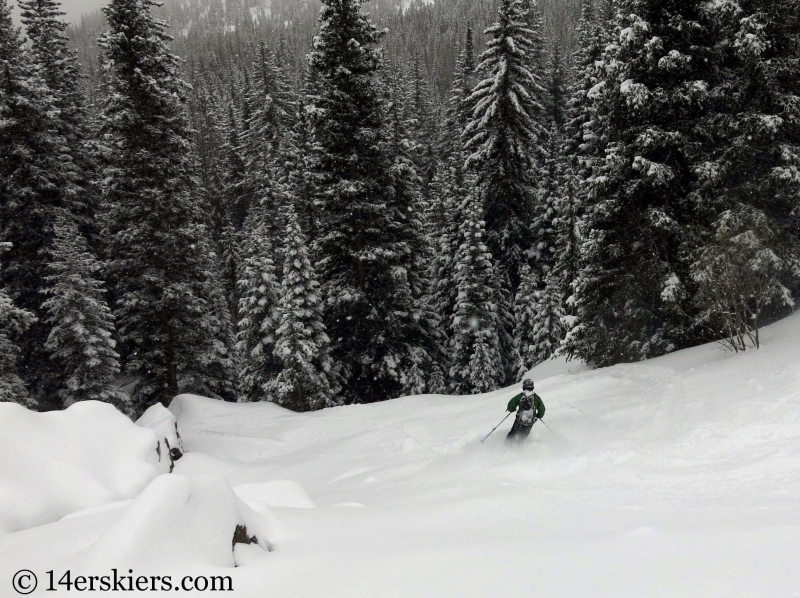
[529, 408]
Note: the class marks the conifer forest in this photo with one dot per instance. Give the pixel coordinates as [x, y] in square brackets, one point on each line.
[326, 202]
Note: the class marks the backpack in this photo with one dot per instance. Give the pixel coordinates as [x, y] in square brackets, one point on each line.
[526, 403]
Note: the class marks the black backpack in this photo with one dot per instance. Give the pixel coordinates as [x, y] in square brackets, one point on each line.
[526, 403]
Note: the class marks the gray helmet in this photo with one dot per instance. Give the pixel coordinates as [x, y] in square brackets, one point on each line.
[527, 384]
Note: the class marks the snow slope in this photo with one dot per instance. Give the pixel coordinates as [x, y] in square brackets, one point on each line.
[678, 477]
[59, 462]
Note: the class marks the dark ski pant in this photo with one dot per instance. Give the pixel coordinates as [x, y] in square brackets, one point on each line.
[522, 427]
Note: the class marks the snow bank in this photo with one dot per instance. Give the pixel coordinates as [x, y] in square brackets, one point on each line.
[64, 461]
[178, 522]
[161, 420]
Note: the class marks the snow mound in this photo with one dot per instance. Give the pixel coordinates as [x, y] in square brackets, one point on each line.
[179, 521]
[65, 461]
[161, 420]
[278, 493]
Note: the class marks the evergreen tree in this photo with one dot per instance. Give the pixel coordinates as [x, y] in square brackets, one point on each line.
[299, 172]
[750, 186]
[538, 318]
[14, 322]
[259, 296]
[505, 136]
[37, 183]
[231, 258]
[268, 126]
[234, 177]
[82, 351]
[634, 286]
[366, 236]
[411, 207]
[449, 189]
[581, 151]
[476, 363]
[304, 382]
[60, 70]
[171, 338]
[557, 88]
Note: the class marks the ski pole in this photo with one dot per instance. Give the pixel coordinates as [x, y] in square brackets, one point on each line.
[545, 425]
[497, 426]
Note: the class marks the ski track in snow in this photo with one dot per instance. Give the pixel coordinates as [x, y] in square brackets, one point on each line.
[677, 477]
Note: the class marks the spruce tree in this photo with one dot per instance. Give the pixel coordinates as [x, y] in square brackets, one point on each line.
[234, 176]
[557, 88]
[366, 239]
[37, 183]
[476, 362]
[412, 210]
[14, 322]
[171, 338]
[60, 70]
[505, 137]
[259, 295]
[82, 351]
[750, 187]
[449, 190]
[304, 382]
[538, 319]
[641, 228]
[299, 172]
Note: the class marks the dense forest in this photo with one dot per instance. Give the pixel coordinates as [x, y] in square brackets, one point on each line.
[323, 203]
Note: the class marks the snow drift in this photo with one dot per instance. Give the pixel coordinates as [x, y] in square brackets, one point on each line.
[179, 522]
[64, 461]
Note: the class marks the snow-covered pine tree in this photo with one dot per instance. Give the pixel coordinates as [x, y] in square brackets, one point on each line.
[580, 136]
[14, 322]
[420, 107]
[505, 136]
[37, 182]
[641, 228]
[412, 212]
[59, 67]
[234, 173]
[171, 338]
[459, 107]
[83, 358]
[581, 149]
[299, 176]
[231, 260]
[207, 126]
[449, 189]
[366, 237]
[538, 309]
[539, 321]
[476, 363]
[306, 380]
[259, 297]
[750, 184]
[537, 56]
[567, 240]
[271, 108]
[556, 88]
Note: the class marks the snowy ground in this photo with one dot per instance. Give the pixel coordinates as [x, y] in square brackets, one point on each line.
[678, 477]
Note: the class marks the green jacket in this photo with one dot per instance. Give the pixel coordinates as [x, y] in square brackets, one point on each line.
[538, 405]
